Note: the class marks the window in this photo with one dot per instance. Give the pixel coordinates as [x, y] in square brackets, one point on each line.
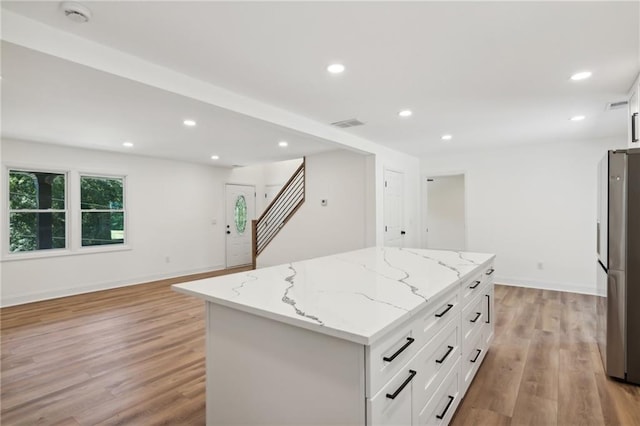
[37, 211]
[240, 214]
[102, 210]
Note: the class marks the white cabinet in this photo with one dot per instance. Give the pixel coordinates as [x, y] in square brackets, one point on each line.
[392, 405]
[378, 336]
[442, 349]
[634, 115]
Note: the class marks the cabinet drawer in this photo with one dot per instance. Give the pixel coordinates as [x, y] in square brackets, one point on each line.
[429, 323]
[472, 320]
[489, 317]
[472, 287]
[392, 405]
[387, 356]
[440, 409]
[434, 361]
[471, 359]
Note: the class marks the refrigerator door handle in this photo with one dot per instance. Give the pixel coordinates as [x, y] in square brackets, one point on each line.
[598, 238]
[634, 127]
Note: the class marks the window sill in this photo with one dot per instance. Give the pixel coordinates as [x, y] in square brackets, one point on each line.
[45, 254]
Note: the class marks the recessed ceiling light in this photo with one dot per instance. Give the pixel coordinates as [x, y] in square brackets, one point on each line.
[405, 113]
[446, 137]
[127, 144]
[335, 68]
[215, 157]
[578, 118]
[283, 144]
[189, 123]
[581, 75]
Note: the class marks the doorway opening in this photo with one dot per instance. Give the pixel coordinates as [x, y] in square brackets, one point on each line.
[444, 212]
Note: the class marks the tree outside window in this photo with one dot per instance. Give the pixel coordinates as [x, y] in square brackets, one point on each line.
[102, 210]
[37, 211]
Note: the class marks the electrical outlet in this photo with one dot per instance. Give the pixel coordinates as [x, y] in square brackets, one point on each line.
[167, 259]
[540, 265]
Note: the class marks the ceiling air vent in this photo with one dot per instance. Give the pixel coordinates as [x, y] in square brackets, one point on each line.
[352, 122]
[616, 105]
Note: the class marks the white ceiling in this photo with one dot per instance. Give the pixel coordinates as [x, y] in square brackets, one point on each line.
[490, 73]
[47, 99]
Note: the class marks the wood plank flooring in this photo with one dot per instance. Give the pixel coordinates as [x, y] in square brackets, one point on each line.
[544, 367]
[135, 356]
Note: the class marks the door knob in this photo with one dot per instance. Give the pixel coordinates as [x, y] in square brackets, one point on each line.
[402, 233]
[228, 232]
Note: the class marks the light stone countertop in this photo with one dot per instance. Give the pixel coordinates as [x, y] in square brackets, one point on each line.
[358, 296]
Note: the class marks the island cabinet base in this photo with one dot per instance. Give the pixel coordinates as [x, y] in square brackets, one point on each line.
[374, 337]
[264, 372]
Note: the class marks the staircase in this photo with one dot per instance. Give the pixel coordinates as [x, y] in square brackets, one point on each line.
[278, 212]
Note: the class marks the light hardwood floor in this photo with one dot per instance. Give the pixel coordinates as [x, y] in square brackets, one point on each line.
[135, 356]
[544, 367]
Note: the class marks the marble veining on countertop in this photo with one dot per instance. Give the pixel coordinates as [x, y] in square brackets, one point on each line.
[357, 296]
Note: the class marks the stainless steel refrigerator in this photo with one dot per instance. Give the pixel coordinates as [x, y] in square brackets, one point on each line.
[618, 248]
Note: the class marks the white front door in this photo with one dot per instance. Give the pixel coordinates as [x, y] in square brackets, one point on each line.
[393, 209]
[240, 211]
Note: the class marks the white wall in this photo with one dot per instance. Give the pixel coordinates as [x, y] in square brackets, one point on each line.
[532, 204]
[170, 208]
[445, 213]
[339, 177]
[261, 175]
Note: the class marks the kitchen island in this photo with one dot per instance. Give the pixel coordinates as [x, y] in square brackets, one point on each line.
[373, 336]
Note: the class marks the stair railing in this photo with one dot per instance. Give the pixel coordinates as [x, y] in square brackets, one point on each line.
[278, 212]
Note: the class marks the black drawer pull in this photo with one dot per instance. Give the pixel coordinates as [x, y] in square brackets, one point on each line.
[477, 316]
[441, 416]
[477, 355]
[488, 309]
[475, 284]
[402, 386]
[410, 340]
[490, 271]
[441, 360]
[449, 306]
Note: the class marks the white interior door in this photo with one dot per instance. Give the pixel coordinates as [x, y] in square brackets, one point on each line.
[445, 213]
[393, 209]
[240, 210]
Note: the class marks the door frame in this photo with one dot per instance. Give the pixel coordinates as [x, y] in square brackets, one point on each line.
[424, 200]
[249, 221]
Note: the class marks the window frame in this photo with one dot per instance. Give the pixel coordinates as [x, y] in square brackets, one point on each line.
[6, 246]
[103, 247]
[73, 219]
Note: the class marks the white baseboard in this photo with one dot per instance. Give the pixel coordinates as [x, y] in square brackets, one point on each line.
[545, 285]
[54, 294]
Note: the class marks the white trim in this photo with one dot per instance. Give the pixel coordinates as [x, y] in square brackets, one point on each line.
[546, 285]
[424, 238]
[124, 210]
[5, 254]
[39, 254]
[73, 213]
[54, 294]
